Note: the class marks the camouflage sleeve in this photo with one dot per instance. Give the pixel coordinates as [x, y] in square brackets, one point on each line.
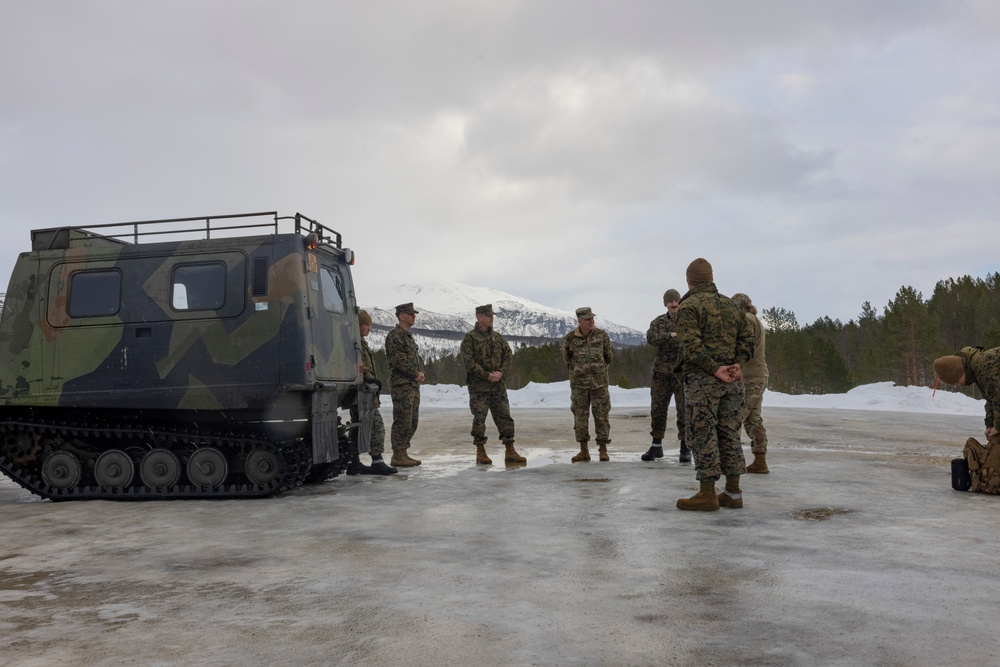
[468, 351]
[657, 333]
[506, 359]
[368, 362]
[609, 351]
[400, 357]
[746, 338]
[567, 353]
[692, 348]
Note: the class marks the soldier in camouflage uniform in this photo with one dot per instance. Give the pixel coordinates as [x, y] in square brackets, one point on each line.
[487, 357]
[665, 383]
[974, 365]
[754, 384]
[587, 352]
[405, 375]
[377, 447]
[715, 340]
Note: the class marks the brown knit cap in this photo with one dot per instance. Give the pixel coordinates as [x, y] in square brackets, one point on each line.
[950, 368]
[699, 272]
[364, 318]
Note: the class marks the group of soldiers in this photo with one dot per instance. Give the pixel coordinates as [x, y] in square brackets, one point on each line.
[710, 360]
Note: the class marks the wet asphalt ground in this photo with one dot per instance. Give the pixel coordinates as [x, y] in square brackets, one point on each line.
[854, 550]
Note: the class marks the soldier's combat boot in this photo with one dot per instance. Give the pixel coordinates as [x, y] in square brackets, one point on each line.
[655, 451]
[511, 455]
[685, 456]
[732, 496]
[705, 500]
[379, 467]
[400, 460]
[356, 467]
[481, 456]
[584, 454]
[413, 461]
[602, 449]
[759, 464]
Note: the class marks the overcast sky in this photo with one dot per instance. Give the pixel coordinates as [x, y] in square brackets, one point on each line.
[818, 154]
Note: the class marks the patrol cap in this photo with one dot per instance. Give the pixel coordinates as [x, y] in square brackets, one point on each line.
[671, 295]
[364, 318]
[406, 308]
[585, 313]
[485, 310]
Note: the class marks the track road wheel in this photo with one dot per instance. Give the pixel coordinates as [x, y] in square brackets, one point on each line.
[207, 467]
[62, 470]
[160, 468]
[262, 466]
[114, 469]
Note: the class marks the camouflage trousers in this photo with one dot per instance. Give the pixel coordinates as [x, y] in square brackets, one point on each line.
[663, 387]
[584, 401]
[712, 420]
[495, 401]
[405, 415]
[377, 445]
[753, 395]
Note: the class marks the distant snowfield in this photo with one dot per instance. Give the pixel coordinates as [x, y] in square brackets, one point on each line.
[882, 396]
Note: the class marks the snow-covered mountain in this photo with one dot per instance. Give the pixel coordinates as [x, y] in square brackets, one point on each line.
[447, 312]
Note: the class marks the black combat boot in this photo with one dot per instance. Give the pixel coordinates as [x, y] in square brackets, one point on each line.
[379, 467]
[685, 456]
[356, 467]
[655, 451]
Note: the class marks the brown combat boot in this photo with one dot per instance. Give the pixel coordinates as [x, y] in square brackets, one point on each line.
[400, 460]
[413, 461]
[732, 496]
[759, 464]
[602, 448]
[511, 455]
[584, 454]
[704, 501]
[481, 456]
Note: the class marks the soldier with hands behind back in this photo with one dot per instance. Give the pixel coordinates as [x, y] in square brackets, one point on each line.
[405, 375]
[587, 352]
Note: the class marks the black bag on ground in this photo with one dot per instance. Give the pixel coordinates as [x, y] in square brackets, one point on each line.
[960, 478]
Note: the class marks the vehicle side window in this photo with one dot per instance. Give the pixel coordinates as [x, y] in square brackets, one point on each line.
[198, 287]
[95, 293]
[334, 298]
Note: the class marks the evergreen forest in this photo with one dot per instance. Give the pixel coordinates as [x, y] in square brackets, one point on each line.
[897, 344]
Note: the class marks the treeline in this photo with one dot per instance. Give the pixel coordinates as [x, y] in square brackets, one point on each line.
[897, 344]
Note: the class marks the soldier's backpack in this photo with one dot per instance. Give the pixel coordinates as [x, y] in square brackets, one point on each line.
[984, 465]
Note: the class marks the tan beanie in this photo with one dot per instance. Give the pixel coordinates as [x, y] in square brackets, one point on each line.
[364, 318]
[699, 272]
[950, 368]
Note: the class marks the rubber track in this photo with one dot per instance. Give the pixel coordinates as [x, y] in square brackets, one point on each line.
[296, 456]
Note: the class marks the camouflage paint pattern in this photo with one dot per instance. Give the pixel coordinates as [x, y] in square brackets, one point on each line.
[982, 367]
[405, 415]
[667, 346]
[587, 358]
[712, 331]
[753, 423]
[665, 385]
[495, 401]
[712, 419]
[251, 353]
[403, 358]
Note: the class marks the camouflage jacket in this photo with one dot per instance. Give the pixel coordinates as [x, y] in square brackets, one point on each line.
[403, 357]
[712, 331]
[482, 353]
[756, 367]
[667, 347]
[368, 362]
[983, 368]
[587, 358]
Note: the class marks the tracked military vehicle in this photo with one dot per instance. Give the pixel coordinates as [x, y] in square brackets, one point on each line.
[133, 366]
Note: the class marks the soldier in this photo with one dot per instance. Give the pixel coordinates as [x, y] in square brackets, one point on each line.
[587, 353]
[715, 340]
[377, 447]
[487, 357]
[754, 384]
[405, 375]
[974, 365]
[665, 383]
